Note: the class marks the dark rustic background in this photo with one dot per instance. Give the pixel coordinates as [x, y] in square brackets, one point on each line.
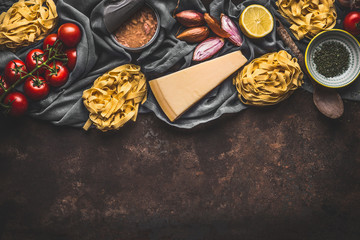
[284, 172]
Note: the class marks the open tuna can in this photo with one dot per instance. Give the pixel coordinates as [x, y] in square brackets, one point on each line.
[133, 24]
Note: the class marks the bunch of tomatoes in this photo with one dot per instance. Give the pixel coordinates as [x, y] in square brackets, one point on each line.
[43, 68]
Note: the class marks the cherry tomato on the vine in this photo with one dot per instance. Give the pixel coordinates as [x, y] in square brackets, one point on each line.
[2, 80]
[14, 70]
[71, 55]
[18, 102]
[57, 75]
[50, 40]
[36, 88]
[35, 56]
[69, 34]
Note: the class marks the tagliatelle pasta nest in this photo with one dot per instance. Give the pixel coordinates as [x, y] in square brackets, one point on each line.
[269, 79]
[115, 97]
[308, 17]
[26, 22]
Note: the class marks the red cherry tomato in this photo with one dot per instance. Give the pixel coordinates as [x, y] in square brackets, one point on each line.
[58, 75]
[69, 34]
[36, 88]
[352, 23]
[50, 40]
[71, 55]
[35, 56]
[2, 80]
[18, 102]
[14, 70]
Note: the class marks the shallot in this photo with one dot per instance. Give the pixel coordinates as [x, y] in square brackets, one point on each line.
[208, 48]
[229, 26]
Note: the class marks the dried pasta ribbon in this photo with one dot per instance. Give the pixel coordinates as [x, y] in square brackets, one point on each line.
[115, 97]
[26, 22]
[269, 79]
[308, 17]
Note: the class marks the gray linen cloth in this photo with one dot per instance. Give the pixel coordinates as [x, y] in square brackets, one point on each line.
[98, 53]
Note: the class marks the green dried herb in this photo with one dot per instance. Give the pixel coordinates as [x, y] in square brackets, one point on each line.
[332, 59]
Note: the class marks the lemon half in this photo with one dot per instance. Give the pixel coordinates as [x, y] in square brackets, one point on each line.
[256, 21]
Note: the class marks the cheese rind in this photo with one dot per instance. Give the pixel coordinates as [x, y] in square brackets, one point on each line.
[178, 91]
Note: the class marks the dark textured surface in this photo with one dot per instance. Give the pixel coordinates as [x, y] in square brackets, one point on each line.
[284, 172]
[278, 173]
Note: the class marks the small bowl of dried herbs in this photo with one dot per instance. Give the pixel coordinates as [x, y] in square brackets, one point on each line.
[333, 58]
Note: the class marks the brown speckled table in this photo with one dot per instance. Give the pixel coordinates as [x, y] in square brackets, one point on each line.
[284, 172]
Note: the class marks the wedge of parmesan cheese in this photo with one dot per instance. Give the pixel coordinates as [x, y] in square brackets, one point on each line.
[178, 91]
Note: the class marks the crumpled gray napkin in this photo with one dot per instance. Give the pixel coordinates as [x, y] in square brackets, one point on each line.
[64, 105]
[97, 54]
[224, 98]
